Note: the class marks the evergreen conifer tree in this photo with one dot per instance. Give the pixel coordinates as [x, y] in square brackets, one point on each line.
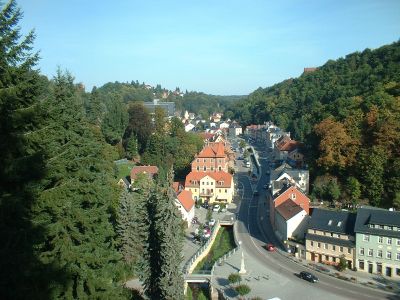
[163, 279]
[76, 203]
[21, 162]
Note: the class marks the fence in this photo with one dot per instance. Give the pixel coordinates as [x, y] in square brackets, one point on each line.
[187, 268]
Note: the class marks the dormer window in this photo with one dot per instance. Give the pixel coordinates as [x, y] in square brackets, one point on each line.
[330, 222]
[293, 196]
[339, 223]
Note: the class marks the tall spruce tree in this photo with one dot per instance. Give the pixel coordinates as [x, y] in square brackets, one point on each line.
[76, 201]
[21, 162]
[133, 222]
[163, 279]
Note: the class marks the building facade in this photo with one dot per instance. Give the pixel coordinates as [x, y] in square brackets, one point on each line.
[378, 241]
[211, 159]
[210, 186]
[330, 235]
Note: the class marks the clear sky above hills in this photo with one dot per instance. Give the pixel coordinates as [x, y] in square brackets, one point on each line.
[220, 47]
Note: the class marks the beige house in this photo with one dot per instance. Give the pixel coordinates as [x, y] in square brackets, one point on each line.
[330, 235]
[210, 186]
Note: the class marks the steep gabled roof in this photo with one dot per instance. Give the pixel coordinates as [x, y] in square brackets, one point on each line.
[219, 176]
[150, 170]
[185, 198]
[212, 150]
[288, 209]
[332, 221]
[368, 216]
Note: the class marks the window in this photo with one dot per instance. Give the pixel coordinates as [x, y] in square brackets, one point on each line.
[398, 242]
[334, 248]
[205, 168]
[204, 160]
[332, 234]
[315, 231]
[220, 190]
[294, 196]
[379, 253]
[212, 183]
[389, 255]
[312, 244]
[349, 250]
[341, 249]
[325, 246]
[381, 227]
[319, 245]
[361, 251]
[390, 227]
[389, 241]
[226, 190]
[398, 256]
[212, 168]
[338, 236]
[366, 238]
[219, 169]
[398, 271]
[198, 168]
[380, 239]
[370, 252]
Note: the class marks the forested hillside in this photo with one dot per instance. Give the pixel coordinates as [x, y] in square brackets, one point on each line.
[348, 114]
[196, 102]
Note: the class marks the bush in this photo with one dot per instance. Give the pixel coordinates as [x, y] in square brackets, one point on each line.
[234, 278]
[201, 296]
[242, 289]
[342, 264]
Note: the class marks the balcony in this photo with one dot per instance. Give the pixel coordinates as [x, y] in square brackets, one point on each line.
[206, 193]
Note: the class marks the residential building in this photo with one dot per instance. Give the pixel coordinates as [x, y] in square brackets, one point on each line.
[287, 192]
[330, 235]
[378, 241]
[185, 203]
[286, 173]
[168, 107]
[291, 220]
[283, 146]
[211, 159]
[149, 170]
[210, 186]
[235, 130]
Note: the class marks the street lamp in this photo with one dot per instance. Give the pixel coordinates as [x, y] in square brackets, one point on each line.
[242, 268]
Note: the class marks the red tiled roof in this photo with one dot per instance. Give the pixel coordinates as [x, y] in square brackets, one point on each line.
[151, 170]
[185, 198]
[284, 143]
[206, 135]
[213, 150]
[288, 209]
[219, 176]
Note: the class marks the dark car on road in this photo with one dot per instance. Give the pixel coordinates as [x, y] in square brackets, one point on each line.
[308, 276]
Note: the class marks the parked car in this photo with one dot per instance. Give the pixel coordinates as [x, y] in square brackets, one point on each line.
[216, 207]
[205, 205]
[308, 276]
[211, 222]
[270, 247]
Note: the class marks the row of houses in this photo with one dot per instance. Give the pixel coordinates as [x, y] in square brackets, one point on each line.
[369, 240]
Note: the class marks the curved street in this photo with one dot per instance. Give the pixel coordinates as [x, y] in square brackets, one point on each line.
[254, 231]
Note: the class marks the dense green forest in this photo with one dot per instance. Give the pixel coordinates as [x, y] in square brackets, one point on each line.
[199, 103]
[347, 112]
[62, 215]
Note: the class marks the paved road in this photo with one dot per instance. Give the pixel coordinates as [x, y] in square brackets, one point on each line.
[274, 263]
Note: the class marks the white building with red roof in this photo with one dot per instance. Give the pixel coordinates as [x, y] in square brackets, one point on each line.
[185, 203]
[210, 186]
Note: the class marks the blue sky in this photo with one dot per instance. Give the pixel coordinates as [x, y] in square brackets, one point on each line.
[222, 47]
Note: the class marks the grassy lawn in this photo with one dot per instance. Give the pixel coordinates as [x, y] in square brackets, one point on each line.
[125, 169]
[223, 243]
